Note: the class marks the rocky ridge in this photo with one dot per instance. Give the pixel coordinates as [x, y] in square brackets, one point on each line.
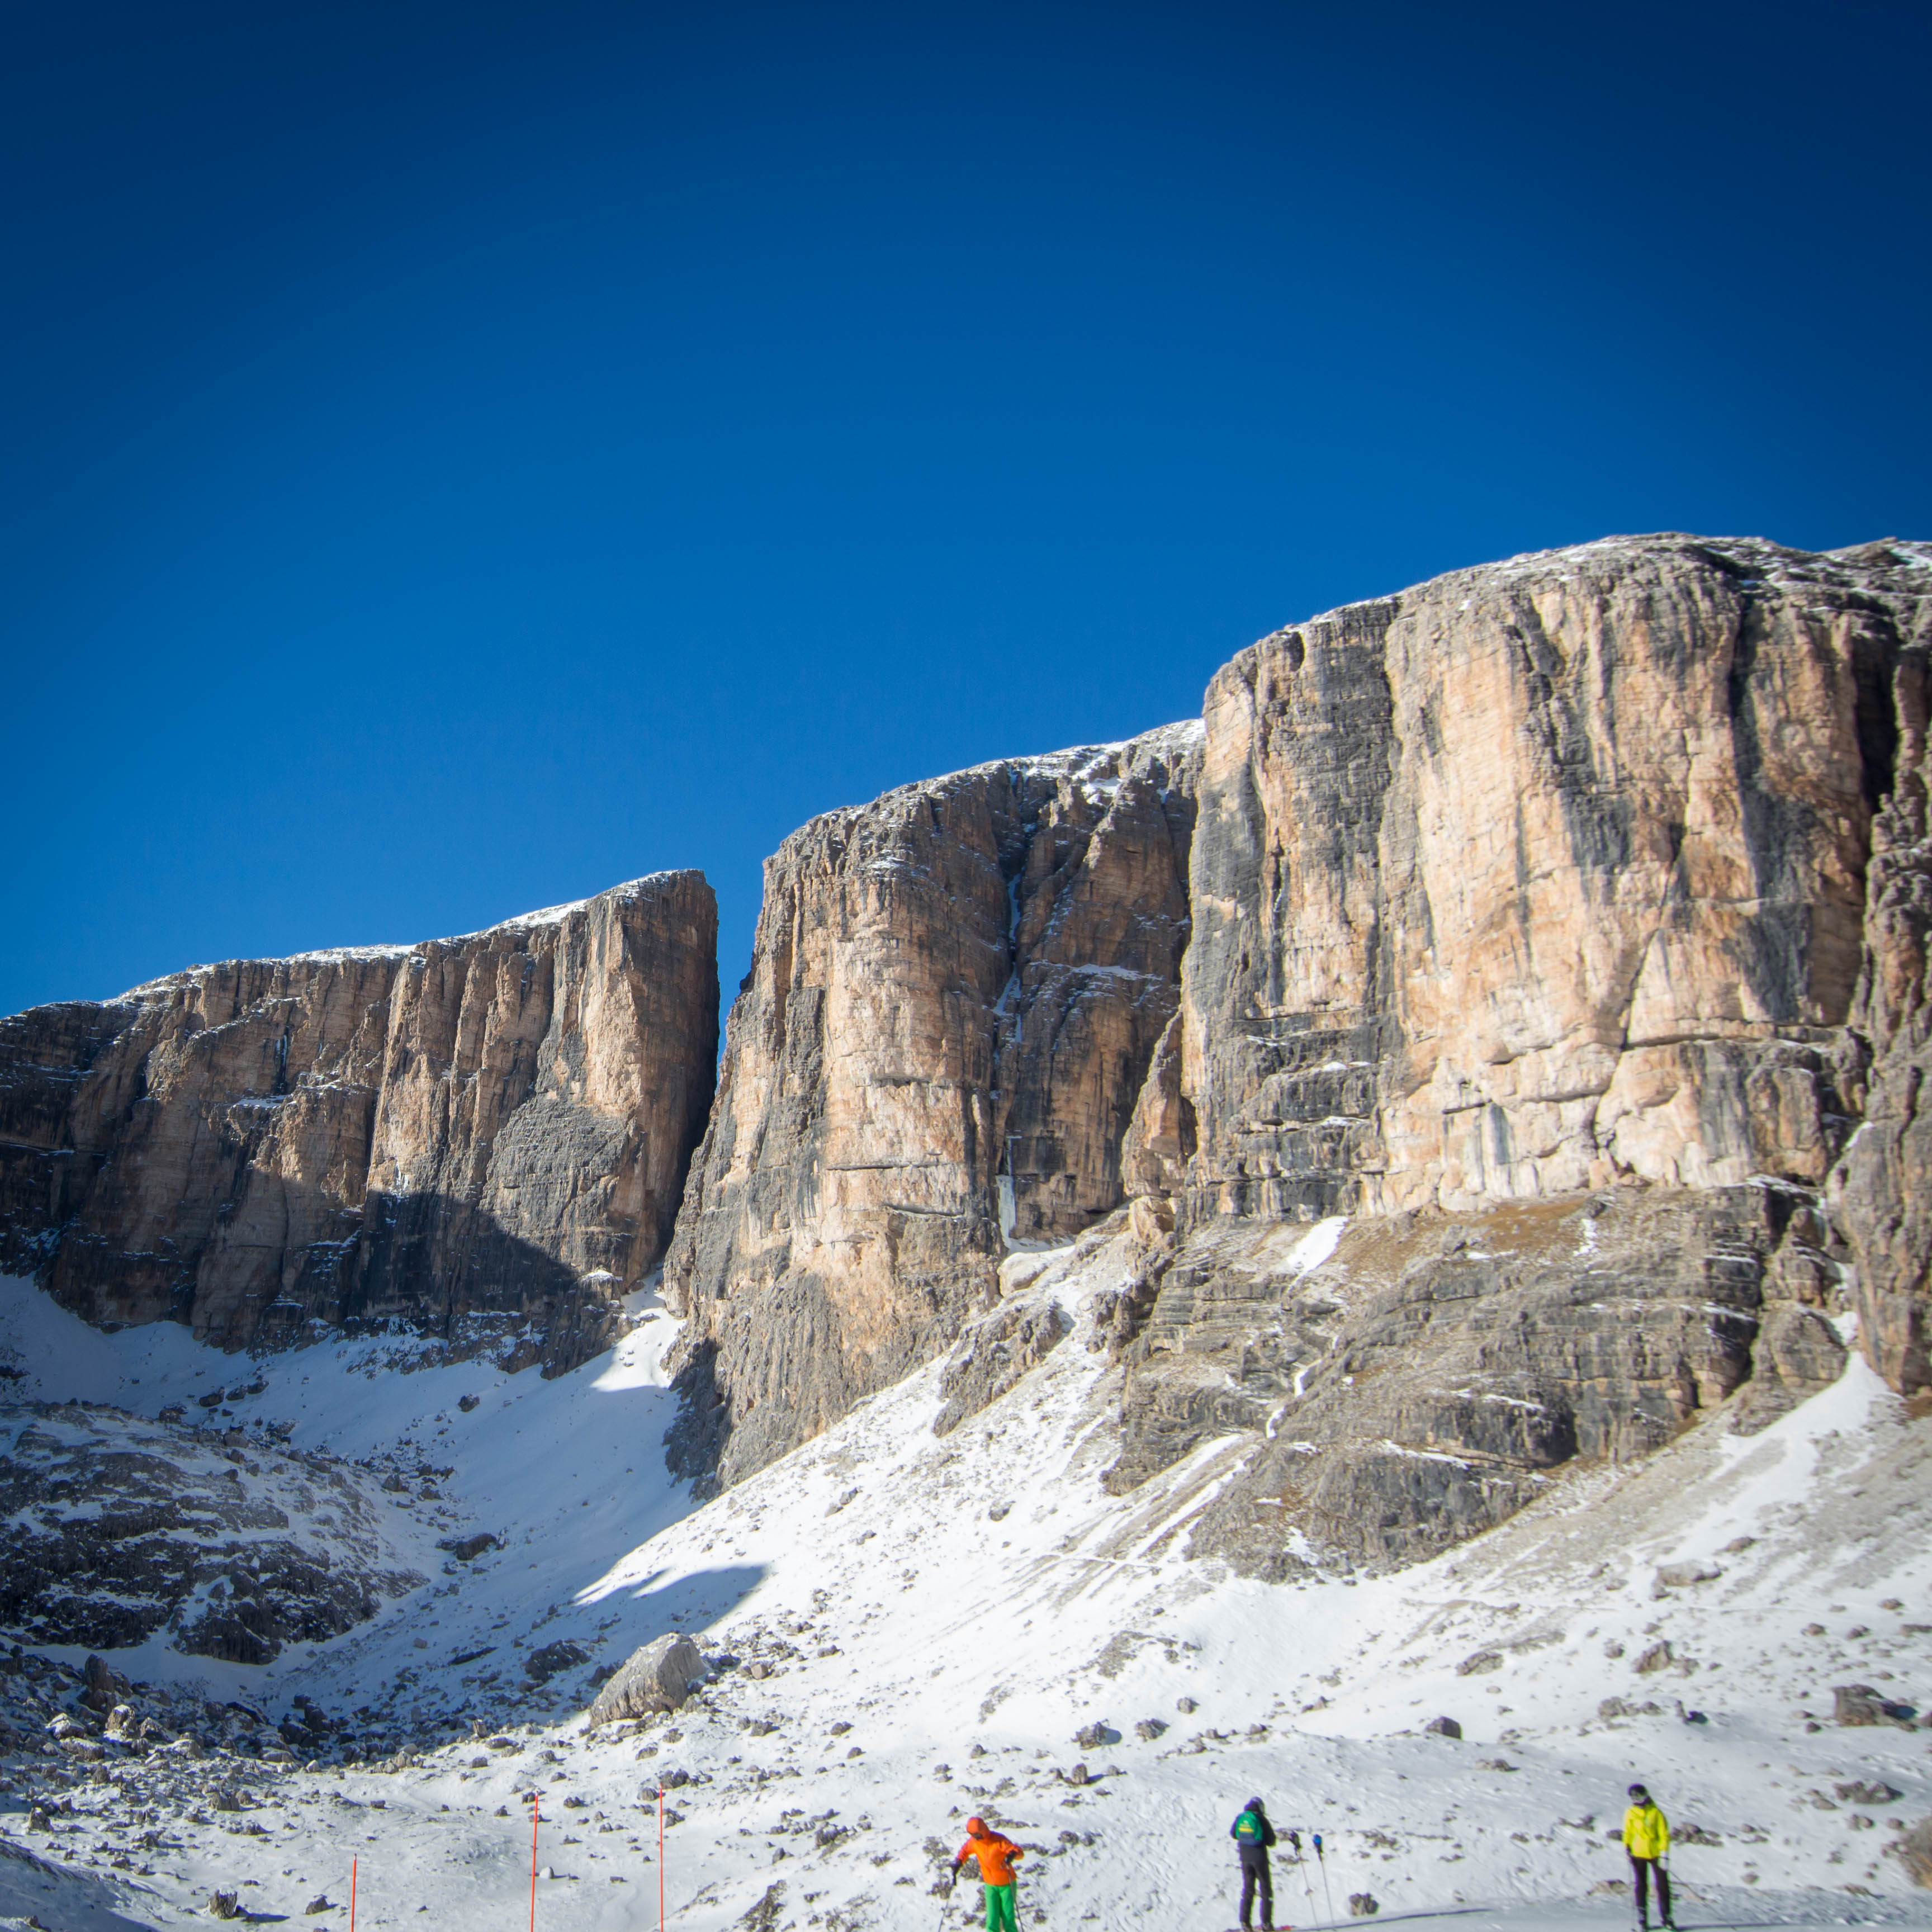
[1557, 922]
[1560, 926]
[484, 1138]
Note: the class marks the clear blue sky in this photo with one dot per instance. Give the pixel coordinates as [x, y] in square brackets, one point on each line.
[457, 457]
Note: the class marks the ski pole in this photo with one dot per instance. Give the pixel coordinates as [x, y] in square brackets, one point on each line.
[1322, 1857]
[1301, 1866]
[352, 1895]
[536, 1805]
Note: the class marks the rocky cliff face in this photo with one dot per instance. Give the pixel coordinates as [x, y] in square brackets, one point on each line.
[1543, 877]
[1883, 1188]
[483, 1137]
[954, 996]
[1559, 922]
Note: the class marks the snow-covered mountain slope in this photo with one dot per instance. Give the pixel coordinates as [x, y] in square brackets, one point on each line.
[921, 1624]
[561, 1472]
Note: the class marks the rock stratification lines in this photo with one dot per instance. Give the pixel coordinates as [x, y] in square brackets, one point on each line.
[484, 1138]
[954, 996]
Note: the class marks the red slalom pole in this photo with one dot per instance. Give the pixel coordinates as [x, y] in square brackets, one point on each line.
[661, 1878]
[536, 1800]
[352, 1895]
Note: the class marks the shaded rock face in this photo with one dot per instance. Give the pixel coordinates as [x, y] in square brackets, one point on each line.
[484, 1138]
[994, 1355]
[1544, 876]
[954, 996]
[1425, 1380]
[1881, 1192]
[114, 1530]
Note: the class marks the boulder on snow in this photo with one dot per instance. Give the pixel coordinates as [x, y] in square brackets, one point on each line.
[1148, 1729]
[1914, 1851]
[1443, 1727]
[465, 1548]
[1681, 1576]
[1657, 1658]
[1860, 1704]
[1362, 1905]
[1867, 1792]
[104, 1687]
[1483, 1661]
[542, 1665]
[1091, 1737]
[659, 1676]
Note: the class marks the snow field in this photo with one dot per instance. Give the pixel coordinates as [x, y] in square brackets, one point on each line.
[916, 1599]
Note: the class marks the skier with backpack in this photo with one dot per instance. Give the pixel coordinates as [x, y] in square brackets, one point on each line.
[996, 1855]
[1253, 1835]
[1647, 1838]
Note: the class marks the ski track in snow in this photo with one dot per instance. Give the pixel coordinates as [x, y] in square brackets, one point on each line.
[930, 1626]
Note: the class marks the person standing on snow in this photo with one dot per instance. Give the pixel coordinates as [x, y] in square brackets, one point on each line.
[1646, 1838]
[1253, 1835]
[996, 1855]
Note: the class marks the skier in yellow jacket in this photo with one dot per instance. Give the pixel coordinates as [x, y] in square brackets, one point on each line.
[1646, 1838]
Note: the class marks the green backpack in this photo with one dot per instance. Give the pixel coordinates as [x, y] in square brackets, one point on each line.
[1248, 1829]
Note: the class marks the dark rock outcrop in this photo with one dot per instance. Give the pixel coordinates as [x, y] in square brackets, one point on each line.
[484, 1138]
[954, 996]
[114, 1529]
[994, 1354]
[1424, 1381]
[1881, 1192]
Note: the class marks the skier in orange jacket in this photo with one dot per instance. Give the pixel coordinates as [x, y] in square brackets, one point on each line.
[996, 1855]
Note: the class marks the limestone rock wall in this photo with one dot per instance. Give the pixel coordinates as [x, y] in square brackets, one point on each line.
[1882, 1191]
[484, 1138]
[1564, 924]
[1543, 877]
[954, 996]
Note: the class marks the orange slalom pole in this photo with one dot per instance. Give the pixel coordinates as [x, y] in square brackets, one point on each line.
[352, 1895]
[661, 1877]
[536, 1800]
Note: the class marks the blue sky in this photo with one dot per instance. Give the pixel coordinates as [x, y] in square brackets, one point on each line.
[458, 458]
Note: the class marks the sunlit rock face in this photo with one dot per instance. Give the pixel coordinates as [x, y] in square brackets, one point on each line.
[483, 1137]
[954, 993]
[1562, 924]
[1542, 877]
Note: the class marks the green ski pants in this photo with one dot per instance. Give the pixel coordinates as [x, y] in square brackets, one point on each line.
[1000, 1908]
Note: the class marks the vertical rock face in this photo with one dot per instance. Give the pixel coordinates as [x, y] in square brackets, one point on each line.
[1883, 1188]
[1541, 877]
[954, 996]
[1560, 921]
[480, 1138]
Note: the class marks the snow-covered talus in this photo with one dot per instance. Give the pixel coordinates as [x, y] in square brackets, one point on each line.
[485, 1138]
[920, 1624]
[955, 992]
